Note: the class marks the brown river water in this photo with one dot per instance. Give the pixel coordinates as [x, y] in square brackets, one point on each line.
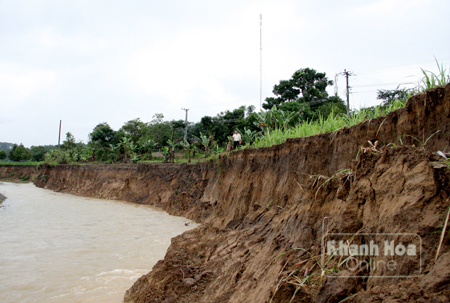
[56, 247]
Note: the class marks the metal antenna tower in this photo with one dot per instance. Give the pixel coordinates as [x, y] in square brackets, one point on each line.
[260, 61]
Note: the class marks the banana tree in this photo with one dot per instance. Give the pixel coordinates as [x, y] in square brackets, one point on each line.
[189, 147]
[147, 146]
[205, 141]
[128, 147]
[172, 146]
[165, 150]
[248, 135]
[275, 118]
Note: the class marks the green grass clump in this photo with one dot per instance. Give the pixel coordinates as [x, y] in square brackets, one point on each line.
[34, 163]
[24, 178]
[431, 80]
[323, 125]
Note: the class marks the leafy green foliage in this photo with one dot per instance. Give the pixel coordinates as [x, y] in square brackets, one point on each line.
[189, 147]
[24, 178]
[19, 153]
[305, 86]
[301, 107]
[69, 142]
[6, 146]
[172, 148]
[3, 155]
[331, 123]
[135, 129]
[223, 124]
[388, 96]
[275, 118]
[104, 135]
[38, 153]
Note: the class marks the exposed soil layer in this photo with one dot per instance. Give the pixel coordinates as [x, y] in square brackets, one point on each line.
[18, 172]
[264, 213]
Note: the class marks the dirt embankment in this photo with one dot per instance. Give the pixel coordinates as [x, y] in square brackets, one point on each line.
[18, 172]
[265, 212]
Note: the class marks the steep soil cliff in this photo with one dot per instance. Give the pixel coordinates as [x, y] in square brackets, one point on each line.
[266, 214]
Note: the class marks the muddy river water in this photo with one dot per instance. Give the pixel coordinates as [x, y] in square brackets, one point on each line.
[56, 247]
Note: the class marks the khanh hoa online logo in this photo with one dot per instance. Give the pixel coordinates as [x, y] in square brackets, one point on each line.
[378, 255]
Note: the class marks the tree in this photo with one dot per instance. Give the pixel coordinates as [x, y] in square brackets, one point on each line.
[146, 146]
[248, 136]
[172, 147]
[306, 85]
[223, 124]
[189, 147]
[333, 105]
[135, 129]
[205, 140]
[128, 147]
[286, 90]
[69, 143]
[38, 153]
[178, 127]
[159, 132]
[390, 95]
[104, 135]
[2, 155]
[19, 153]
[303, 109]
[276, 118]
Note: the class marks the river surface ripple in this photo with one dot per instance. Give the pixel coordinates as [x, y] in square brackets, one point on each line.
[57, 247]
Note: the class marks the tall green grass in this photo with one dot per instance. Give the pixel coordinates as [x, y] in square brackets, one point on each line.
[431, 79]
[323, 125]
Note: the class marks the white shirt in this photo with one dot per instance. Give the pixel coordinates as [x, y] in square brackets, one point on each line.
[237, 137]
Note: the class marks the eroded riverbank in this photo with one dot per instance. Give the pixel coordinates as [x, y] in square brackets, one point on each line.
[263, 212]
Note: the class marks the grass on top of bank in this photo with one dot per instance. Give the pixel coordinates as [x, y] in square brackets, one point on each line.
[269, 137]
[24, 163]
[323, 125]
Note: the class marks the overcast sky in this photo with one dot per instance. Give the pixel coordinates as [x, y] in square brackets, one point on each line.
[85, 62]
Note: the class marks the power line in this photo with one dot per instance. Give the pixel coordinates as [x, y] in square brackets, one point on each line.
[379, 84]
[397, 67]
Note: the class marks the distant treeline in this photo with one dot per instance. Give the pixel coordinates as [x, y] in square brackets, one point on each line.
[18, 152]
[303, 98]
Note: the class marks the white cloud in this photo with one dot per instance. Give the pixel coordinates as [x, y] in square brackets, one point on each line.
[48, 39]
[19, 84]
[388, 7]
[112, 62]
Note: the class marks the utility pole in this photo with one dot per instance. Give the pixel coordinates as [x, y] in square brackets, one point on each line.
[347, 74]
[59, 138]
[185, 122]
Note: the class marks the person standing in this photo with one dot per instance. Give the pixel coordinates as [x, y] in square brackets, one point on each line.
[236, 139]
